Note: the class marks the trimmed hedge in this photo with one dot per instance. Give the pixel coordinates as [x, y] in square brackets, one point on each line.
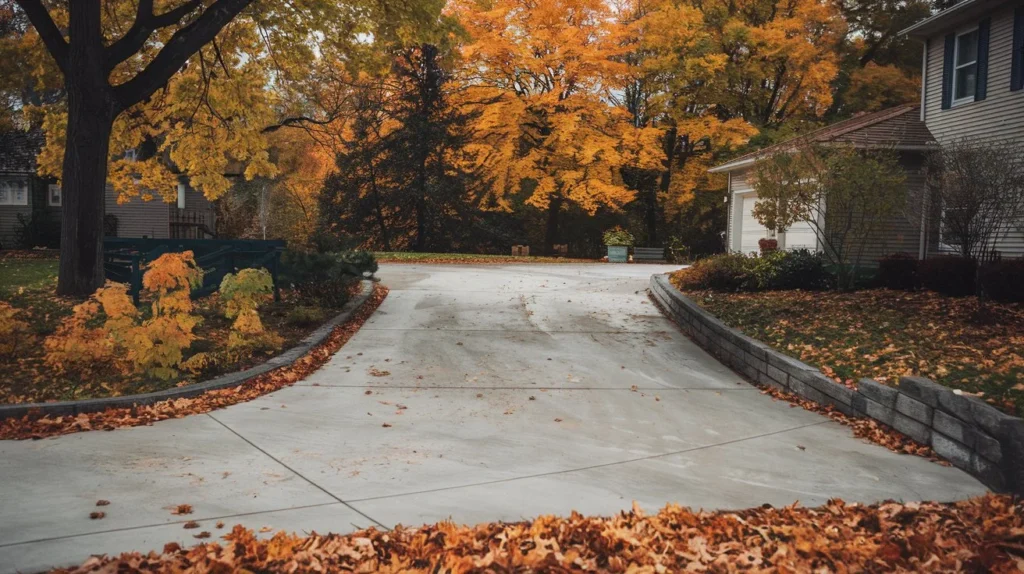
[899, 271]
[1004, 280]
[948, 274]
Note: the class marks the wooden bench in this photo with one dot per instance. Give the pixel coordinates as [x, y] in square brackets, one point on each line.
[648, 254]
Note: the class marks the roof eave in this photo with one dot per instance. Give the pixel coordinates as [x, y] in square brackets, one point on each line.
[945, 19]
[747, 162]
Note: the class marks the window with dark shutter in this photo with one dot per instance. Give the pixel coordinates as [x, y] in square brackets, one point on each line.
[947, 71]
[1017, 72]
[981, 80]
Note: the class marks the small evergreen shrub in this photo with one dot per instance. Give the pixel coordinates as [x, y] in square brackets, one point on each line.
[326, 278]
[948, 274]
[899, 271]
[1004, 280]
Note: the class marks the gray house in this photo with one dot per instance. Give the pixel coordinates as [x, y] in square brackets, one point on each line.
[973, 87]
[30, 206]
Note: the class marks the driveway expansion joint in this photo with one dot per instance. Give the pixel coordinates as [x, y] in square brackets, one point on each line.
[297, 473]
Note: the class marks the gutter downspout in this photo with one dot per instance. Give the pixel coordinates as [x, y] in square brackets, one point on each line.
[924, 77]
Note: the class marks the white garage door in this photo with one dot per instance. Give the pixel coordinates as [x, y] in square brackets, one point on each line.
[751, 231]
[801, 236]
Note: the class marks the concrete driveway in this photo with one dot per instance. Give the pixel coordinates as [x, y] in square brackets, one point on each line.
[475, 393]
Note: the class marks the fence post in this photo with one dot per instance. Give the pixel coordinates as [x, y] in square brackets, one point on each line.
[275, 264]
[136, 278]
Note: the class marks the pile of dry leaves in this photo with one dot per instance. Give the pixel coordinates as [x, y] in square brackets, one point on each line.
[35, 425]
[981, 535]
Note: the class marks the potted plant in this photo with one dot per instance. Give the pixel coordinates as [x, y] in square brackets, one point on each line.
[618, 241]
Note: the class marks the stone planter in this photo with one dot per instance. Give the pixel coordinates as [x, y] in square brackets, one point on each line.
[618, 254]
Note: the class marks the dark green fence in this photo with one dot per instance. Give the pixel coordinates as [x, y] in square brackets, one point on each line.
[125, 260]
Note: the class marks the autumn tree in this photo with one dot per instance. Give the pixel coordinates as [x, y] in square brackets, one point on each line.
[537, 75]
[781, 57]
[202, 79]
[845, 195]
[669, 90]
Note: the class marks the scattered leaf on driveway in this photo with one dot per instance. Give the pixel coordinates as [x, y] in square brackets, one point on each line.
[96, 515]
[191, 524]
[102, 502]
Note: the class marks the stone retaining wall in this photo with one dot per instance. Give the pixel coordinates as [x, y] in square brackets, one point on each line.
[73, 408]
[966, 431]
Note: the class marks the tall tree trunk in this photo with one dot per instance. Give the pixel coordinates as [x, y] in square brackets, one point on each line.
[651, 215]
[91, 113]
[666, 180]
[551, 235]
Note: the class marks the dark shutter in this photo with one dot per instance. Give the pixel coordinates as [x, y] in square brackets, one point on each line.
[1017, 73]
[981, 87]
[947, 72]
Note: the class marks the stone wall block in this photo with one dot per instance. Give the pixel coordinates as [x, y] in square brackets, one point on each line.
[922, 389]
[912, 428]
[951, 450]
[914, 409]
[878, 392]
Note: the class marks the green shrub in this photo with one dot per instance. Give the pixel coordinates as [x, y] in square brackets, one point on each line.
[772, 271]
[1004, 280]
[304, 316]
[949, 275]
[326, 278]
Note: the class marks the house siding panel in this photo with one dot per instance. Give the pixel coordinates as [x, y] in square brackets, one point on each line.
[1000, 115]
[139, 218]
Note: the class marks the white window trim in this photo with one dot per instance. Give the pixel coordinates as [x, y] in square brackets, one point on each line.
[956, 68]
[11, 201]
[49, 195]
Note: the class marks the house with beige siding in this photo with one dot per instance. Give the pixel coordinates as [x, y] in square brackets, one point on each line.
[30, 206]
[972, 87]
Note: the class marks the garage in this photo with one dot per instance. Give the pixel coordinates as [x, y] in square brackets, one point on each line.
[751, 231]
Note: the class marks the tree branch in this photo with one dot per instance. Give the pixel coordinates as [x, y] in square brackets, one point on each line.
[48, 31]
[145, 24]
[181, 46]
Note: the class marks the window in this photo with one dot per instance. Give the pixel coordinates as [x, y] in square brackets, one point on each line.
[53, 195]
[131, 155]
[13, 191]
[181, 196]
[965, 67]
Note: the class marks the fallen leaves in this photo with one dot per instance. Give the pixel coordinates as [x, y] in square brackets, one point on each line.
[182, 509]
[203, 534]
[884, 334]
[984, 534]
[102, 502]
[34, 425]
[374, 372]
[96, 515]
[190, 525]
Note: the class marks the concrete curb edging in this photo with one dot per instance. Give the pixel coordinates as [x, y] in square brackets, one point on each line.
[73, 408]
[971, 434]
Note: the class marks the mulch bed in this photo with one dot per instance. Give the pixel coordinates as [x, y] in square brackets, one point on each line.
[985, 534]
[36, 425]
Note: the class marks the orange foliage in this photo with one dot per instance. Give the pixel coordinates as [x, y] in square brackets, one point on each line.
[90, 342]
[983, 534]
[14, 333]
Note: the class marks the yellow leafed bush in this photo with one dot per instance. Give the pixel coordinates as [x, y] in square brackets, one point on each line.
[14, 333]
[243, 293]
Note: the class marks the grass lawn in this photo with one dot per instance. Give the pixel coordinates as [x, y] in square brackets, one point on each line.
[28, 285]
[883, 334]
[26, 273]
[411, 257]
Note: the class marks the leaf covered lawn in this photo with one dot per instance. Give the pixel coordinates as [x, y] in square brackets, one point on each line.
[884, 334]
[985, 534]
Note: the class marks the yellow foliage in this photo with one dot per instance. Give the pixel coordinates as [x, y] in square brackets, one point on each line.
[243, 294]
[14, 332]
